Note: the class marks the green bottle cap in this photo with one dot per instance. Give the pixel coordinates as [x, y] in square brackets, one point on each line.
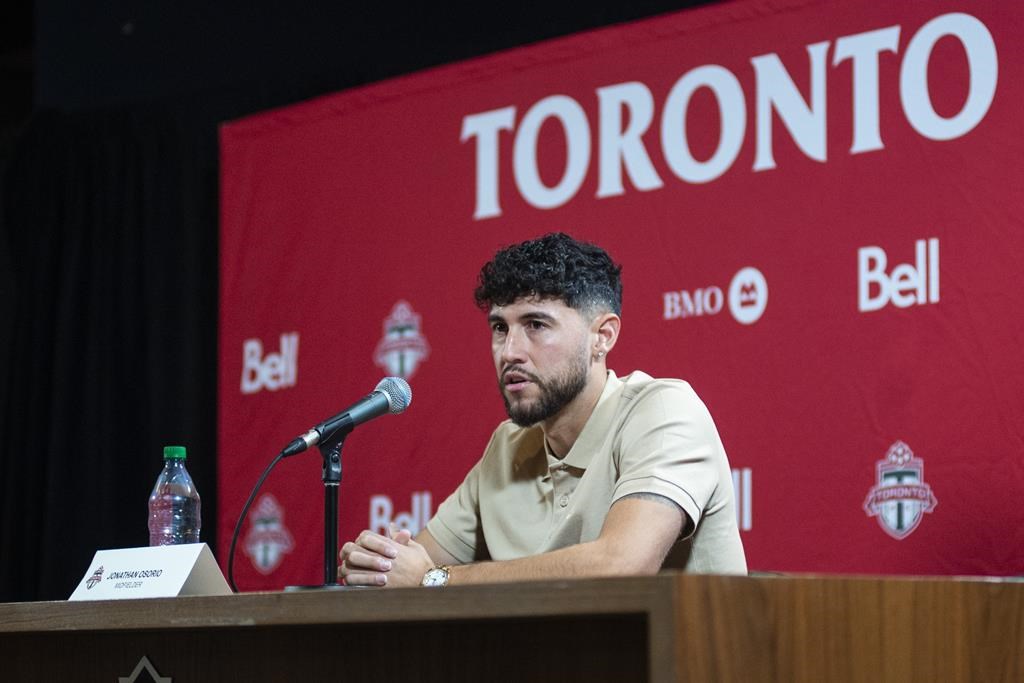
[174, 452]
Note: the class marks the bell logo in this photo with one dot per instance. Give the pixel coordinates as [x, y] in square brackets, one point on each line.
[382, 514]
[907, 285]
[274, 371]
[742, 485]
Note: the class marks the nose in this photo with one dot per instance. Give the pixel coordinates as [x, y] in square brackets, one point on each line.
[513, 348]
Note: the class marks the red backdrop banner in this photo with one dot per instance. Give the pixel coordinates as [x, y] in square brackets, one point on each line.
[818, 210]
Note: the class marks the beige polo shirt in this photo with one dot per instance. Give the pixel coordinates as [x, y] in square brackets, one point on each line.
[645, 435]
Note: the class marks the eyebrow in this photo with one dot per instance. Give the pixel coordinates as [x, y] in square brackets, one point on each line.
[529, 315]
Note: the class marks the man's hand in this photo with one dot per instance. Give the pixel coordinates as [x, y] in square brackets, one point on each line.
[375, 560]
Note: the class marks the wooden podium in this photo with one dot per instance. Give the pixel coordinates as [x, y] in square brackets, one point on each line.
[671, 627]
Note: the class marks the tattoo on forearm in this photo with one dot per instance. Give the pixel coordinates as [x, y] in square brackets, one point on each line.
[668, 502]
[686, 525]
[654, 497]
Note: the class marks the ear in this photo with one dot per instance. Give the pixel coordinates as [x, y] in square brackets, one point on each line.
[605, 329]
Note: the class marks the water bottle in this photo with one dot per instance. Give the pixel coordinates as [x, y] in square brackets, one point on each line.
[174, 504]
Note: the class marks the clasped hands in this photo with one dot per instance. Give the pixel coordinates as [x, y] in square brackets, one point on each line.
[393, 561]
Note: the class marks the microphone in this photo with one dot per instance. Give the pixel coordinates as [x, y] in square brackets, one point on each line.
[392, 395]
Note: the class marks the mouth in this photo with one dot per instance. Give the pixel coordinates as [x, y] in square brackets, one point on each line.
[515, 381]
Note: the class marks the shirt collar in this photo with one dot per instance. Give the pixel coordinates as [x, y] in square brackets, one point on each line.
[596, 428]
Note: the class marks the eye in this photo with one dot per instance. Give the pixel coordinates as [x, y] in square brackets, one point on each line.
[498, 328]
[536, 325]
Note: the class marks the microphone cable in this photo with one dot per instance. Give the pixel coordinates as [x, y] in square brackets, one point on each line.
[241, 517]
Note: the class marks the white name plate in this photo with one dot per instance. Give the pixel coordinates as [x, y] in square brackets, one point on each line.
[164, 571]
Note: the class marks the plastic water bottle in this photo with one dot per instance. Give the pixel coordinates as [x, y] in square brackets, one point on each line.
[174, 515]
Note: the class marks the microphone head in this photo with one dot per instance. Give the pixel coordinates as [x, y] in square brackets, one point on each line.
[398, 393]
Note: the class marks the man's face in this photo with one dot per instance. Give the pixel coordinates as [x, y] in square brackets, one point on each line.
[542, 355]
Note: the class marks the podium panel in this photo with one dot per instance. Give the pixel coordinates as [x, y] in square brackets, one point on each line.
[670, 627]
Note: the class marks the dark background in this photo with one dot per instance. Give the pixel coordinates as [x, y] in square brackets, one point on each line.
[109, 233]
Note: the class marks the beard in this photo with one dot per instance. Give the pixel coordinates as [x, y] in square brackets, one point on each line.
[555, 393]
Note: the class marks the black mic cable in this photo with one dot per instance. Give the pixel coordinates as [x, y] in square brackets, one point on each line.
[245, 511]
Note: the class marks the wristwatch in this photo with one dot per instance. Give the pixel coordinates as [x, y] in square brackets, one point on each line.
[436, 577]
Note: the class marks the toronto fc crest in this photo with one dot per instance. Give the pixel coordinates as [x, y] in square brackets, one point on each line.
[403, 347]
[96, 577]
[900, 497]
[268, 538]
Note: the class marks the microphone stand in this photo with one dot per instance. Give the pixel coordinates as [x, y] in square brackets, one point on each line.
[330, 451]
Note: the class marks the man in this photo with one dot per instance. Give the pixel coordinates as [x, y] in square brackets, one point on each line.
[592, 475]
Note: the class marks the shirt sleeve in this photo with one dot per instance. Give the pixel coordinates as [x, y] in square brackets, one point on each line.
[669, 446]
[456, 525]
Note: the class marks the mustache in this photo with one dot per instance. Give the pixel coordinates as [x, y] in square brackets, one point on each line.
[509, 369]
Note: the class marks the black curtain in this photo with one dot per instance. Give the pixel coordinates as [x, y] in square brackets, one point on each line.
[108, 352]
[109, 260]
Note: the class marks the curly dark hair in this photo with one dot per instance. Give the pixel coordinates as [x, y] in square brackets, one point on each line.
[554, 266]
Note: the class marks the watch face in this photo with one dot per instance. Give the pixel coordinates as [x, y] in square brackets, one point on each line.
[435, 577]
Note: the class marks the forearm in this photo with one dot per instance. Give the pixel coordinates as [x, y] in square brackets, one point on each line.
[638, 533]
[593, 559]
[635, 539]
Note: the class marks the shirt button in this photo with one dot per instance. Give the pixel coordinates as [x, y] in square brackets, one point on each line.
[563, 501]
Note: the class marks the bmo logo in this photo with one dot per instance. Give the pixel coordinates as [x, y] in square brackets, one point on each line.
[273, 371]
[748, 296]
[747, 299]
[907, 284]
[688, 304]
